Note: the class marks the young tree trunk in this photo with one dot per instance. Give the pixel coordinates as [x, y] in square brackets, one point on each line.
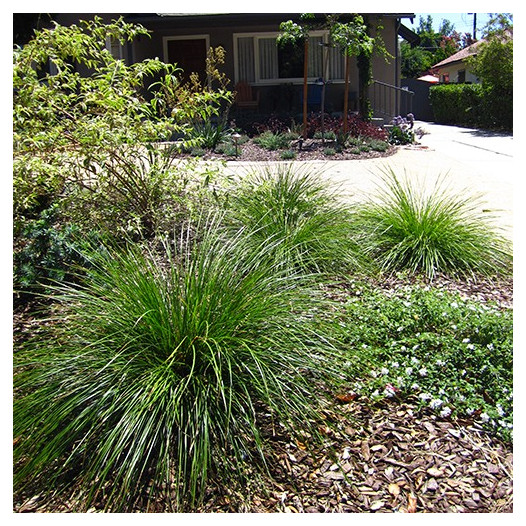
[305, 87]
[346, 94]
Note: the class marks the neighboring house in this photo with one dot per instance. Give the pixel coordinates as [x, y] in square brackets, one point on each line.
[253, 57]
[455, 68]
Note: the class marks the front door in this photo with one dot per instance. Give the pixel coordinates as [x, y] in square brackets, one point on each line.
[190, 55]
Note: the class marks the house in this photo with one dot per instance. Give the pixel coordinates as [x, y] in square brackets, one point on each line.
[253, 57]
[455, 68]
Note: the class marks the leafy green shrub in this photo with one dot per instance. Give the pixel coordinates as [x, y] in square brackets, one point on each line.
[288, 154]
[300, 212]
[438, 231]
[329, 151]
[155, 371]
[446, 353]
[355, 151]
[45, 252]
[273, 141]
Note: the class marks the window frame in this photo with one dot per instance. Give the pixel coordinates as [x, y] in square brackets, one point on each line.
[272, 82]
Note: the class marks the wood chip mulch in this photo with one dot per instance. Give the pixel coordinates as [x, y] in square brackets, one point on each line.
[384, 459]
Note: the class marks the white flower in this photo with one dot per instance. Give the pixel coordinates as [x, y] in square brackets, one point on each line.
[500, 410]
[470, 346]
[395, 364]
[400, 329]
[490, 346]
[415, 387]
[470, 411]
[415, 347]
[484, 417]
[454, 304]
[454, 327]
[376, 393]
[403, 348]
[424, 396]
[440, 362]
[435, 403]
[384, 370]
[407, 303]
[465, 340]
[408, 370]
[445, 412]
[414, 359]
[374, 374]
[423, 372]
[389, 391]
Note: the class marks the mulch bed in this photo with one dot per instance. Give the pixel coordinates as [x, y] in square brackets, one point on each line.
[383, 459]
[312, 150]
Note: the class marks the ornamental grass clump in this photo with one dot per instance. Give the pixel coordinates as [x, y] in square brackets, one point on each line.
[152, 374]
[407, 228]
[305, 218]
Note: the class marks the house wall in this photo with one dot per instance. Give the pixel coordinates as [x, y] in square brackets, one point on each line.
[453, 70]
[220, 30]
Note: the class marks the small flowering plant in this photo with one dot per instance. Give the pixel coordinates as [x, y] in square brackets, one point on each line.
[401, 131]
[448, 355]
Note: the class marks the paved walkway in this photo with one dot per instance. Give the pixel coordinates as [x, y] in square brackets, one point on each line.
[473, 161]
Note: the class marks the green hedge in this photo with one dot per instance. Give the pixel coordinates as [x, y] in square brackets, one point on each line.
[472, 105]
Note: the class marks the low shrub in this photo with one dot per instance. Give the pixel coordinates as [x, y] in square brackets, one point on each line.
[378, 146]
[273, 141]
[206, 134]
[329, 151]
[407, 228]
[152, 375]
[45, 252]
[288, 155]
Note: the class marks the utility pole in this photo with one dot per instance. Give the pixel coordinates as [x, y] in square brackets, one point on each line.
[474, 25]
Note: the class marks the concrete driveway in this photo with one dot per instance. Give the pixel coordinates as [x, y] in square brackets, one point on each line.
[473, 161]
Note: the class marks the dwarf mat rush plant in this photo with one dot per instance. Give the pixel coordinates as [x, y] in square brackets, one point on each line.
[409, 228]
[151, 377]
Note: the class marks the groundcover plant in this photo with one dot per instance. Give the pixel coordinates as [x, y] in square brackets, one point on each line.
[152, 372]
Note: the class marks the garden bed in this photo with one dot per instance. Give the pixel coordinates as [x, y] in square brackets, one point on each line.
[312, 150]
[382, 457]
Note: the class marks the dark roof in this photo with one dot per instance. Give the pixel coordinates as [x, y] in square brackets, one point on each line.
[196, 19]
[409, 35]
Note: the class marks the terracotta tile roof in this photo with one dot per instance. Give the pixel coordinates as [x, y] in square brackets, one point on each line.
[460, 55]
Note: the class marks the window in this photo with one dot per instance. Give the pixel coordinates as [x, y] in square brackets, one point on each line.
[461, 78]
[259, 60]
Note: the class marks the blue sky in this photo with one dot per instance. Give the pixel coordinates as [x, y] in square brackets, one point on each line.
[463, 22]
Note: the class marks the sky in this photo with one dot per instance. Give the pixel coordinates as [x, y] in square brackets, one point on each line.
[463, 22]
